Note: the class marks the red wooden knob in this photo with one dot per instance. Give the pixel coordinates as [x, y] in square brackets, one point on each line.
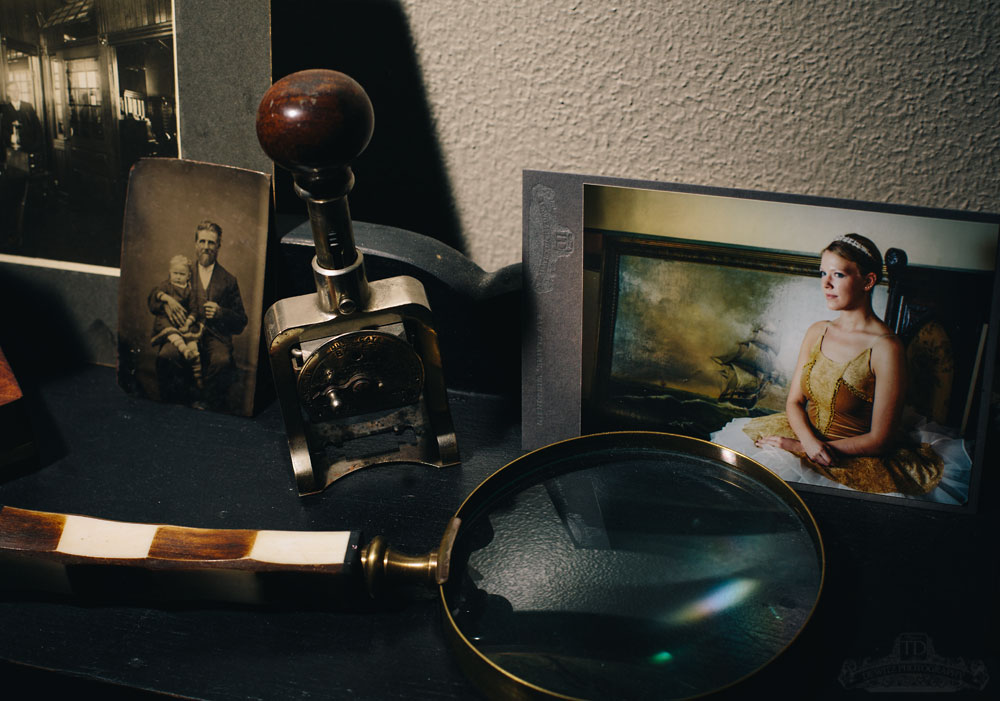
[314, 120]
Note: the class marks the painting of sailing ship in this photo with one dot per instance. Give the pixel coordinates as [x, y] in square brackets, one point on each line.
[749, 369]
[692, 337]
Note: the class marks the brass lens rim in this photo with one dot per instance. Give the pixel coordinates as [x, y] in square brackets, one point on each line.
[498, 683]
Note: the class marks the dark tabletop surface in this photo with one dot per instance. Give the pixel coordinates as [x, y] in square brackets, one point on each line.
[898, 578]
[111, 455]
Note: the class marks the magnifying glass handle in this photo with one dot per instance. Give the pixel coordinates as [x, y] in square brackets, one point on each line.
[65, 553]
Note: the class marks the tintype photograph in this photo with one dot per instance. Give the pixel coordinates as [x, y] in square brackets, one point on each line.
[842, 348]
[87, 89]
[192, 281]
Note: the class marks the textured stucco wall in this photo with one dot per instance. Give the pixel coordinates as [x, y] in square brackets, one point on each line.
[887, 101]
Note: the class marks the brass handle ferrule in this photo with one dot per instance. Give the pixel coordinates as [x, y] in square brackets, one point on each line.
[384, 567]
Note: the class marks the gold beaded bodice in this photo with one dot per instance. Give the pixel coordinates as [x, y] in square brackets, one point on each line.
[840, 394]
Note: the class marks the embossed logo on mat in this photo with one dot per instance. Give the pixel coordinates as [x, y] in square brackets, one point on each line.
[914, 666]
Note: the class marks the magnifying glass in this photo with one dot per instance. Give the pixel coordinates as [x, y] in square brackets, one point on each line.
[619, 565]
[629, 565]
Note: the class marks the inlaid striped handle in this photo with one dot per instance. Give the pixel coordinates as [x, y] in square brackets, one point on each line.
[58, 551]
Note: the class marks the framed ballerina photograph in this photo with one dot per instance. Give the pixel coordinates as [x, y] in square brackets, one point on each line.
[845, 346]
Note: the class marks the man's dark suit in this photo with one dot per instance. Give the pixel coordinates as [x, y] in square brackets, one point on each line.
[15, 164]
[216, 343]
[29, 128]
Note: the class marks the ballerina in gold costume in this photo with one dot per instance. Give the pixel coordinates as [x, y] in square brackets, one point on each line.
[846, 399]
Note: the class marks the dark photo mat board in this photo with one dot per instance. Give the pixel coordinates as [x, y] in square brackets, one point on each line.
[650, 304]
[168, 201]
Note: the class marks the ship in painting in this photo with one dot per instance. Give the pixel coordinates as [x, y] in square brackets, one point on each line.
[750, 368]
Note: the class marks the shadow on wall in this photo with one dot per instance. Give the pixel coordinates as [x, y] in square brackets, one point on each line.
[401, 178]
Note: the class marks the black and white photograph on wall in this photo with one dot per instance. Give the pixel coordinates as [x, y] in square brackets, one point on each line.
[192, 284]
[87, 89]
[843, 349]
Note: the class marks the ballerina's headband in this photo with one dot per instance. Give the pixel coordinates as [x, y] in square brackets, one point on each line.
[851, 242]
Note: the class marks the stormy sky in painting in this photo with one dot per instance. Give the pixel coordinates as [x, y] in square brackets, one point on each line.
[674, 316]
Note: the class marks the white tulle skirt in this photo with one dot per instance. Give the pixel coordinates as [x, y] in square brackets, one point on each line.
[953, 488]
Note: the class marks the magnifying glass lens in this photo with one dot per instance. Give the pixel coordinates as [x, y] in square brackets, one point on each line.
[635, 572]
